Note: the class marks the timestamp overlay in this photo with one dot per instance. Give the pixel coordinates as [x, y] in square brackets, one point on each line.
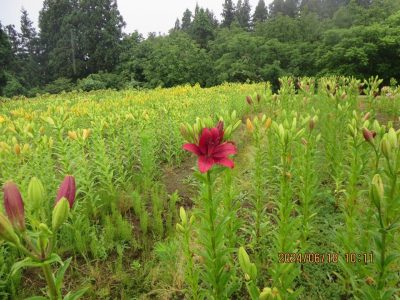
[326, 258]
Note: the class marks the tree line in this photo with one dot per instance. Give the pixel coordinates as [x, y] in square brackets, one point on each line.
[80, 44]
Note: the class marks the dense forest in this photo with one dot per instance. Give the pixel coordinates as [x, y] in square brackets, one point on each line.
[80, 44]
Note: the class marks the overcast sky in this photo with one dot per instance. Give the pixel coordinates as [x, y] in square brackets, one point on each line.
[142, 15]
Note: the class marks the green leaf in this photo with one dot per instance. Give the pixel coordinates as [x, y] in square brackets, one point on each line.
[60, 273]
[36, 298]
[76, 295]
[391, 258]
[27, 262]
[52, 259]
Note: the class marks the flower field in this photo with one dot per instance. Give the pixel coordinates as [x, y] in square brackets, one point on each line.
[231, 192]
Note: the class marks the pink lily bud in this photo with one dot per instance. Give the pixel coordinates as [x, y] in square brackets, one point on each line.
[14, 205]
[368, 135]
[249, 100]
[67, 190]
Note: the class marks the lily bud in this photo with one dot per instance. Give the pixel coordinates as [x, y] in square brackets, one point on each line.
[249, 100]
[60, 213]
[249, 125]
[7, 232]
[17, 149]
[85, 134]
[14, 205]
[377, 191]
[248, 268]
[35, 193]
[369, 135]
[182, 214]
[268, 123]
[180, 228]
[67, 190]
[244, 260]
[386, 148]
[392, 137]
[72, 135]
[266, 293]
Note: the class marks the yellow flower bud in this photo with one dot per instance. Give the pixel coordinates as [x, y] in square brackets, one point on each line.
[72, 135]
[17, 149]
[249, 125]
[268, 123]
[85, 133]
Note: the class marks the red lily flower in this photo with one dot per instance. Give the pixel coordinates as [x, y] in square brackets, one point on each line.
[211, 150]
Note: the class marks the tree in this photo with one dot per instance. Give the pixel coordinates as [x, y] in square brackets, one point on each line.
[186, 20]
[5, 57]
[228, 13]
[260, 13]
[285, 7]
[79, 37]
[134, 52]
[202, 29]
[55, 43]
[28, 52]
[243, 10]
[176, 59]
[177, 25]
[13, 38]
[292, 8]
[102, 34]
[277, 7]
[28, 35]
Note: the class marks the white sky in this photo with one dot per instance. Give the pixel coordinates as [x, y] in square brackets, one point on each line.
[145, 16]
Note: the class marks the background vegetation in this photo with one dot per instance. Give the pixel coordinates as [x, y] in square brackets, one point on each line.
[80, 45]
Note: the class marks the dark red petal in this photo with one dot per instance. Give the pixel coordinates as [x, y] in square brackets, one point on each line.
[225, 162]
[192, 148]
[205, 163]
[67, 189]
[214, 133]
[204, 140]
[224, 150]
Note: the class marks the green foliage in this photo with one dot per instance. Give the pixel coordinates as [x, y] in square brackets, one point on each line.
[176, 59]
[297, 38]
[13, 87]
[59, 85]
